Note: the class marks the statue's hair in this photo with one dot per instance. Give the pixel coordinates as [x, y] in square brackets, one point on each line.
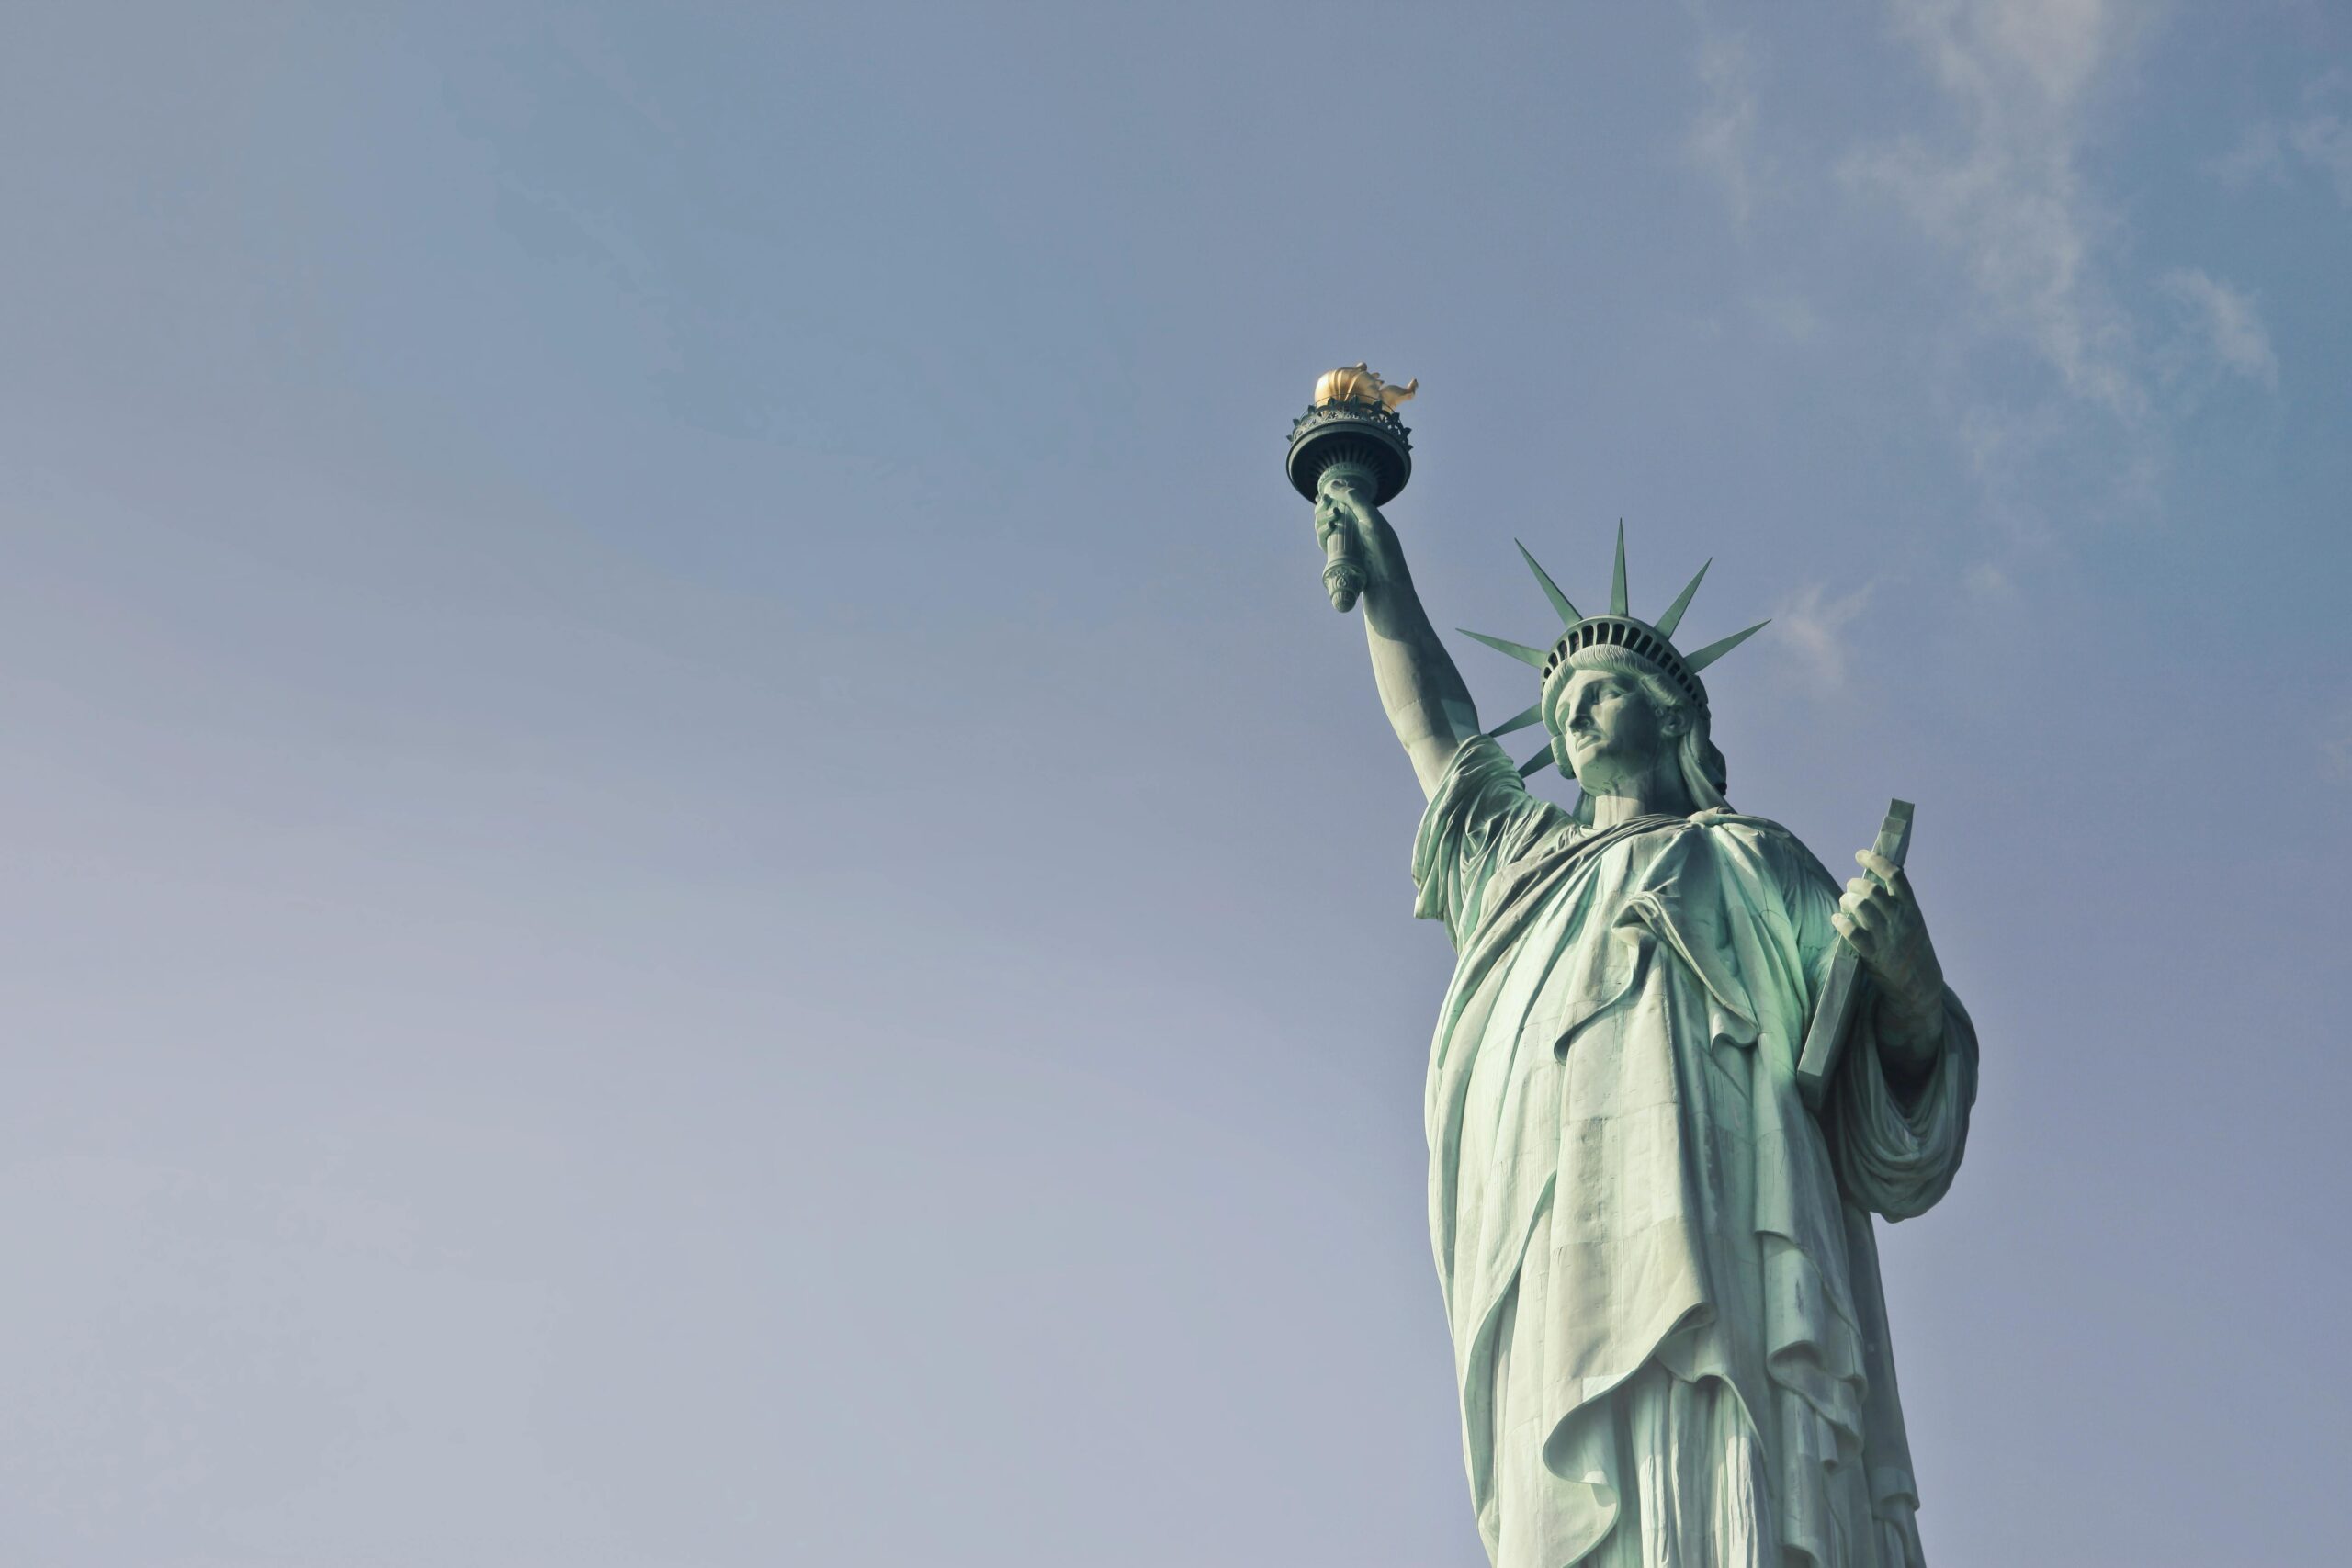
[1704, 773]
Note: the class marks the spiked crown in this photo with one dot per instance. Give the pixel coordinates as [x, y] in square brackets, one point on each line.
[1647, 644]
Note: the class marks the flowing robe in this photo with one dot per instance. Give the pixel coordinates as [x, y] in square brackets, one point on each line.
[1658, 1262]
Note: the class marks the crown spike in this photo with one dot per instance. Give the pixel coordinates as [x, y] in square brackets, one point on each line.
[1617, 603]
[1530, 767]
[1673, 616]
[1695, 663]
[1533, 657]
[1519, 720]
[1570, 614]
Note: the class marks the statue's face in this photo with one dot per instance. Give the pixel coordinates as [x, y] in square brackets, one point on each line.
[1614, 733]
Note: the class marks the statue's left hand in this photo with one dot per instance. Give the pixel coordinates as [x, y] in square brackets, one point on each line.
[1879, 917]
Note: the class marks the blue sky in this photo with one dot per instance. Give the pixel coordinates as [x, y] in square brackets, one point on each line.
[698, 878]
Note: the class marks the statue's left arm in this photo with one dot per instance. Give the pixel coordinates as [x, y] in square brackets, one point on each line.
[1879, 917]
[1899, 1108]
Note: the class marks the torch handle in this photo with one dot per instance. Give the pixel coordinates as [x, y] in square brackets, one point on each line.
[1343, 573]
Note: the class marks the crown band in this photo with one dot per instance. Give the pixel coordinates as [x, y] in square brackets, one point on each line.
[1635, 637]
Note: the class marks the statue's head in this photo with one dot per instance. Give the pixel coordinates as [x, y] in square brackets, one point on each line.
[1613, 720]
[1616, 725]
[1619, 697]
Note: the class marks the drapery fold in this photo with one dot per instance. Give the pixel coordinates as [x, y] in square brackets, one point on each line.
[1625, 1185]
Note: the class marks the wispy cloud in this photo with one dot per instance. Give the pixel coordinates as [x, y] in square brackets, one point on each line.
[2318, 139]
[1789, 316]
[2005, 190]
[1988, 582]
[1723, 141]
[2259, 156]
[2335, 759]
[2007, 196]
[2336, 746]
[1812, 627]
[2226, 321]
[2325, 142]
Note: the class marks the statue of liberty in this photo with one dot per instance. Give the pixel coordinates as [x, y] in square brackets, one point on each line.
[1656, 1258]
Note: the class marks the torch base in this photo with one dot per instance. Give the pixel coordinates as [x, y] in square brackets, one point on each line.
[1351, 432]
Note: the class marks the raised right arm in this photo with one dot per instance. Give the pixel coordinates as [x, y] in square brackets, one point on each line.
[1419, 688]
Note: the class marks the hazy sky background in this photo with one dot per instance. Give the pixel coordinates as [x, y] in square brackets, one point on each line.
[695, 877]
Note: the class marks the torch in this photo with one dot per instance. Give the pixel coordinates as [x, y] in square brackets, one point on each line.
[1352, 424]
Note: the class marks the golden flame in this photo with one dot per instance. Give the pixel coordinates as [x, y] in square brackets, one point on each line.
[1358, 384]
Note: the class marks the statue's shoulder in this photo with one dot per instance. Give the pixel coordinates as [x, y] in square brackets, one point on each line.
[1723, 818]
[1781, 852]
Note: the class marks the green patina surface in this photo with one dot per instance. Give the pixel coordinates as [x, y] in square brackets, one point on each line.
[1657, 1255]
